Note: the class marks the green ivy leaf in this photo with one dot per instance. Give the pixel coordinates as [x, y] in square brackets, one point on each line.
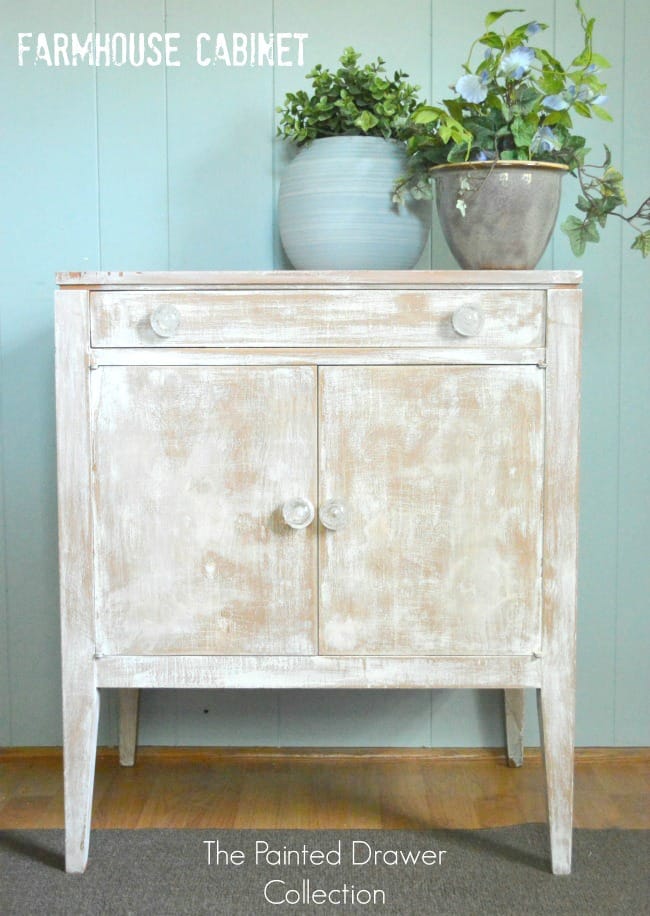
[551, 82]
[582, 109]
[497, 14]
[601, 113]
[580, 232]
[558, 117]
[549, 60]
[492, 40]
[600, 61]
[522, 132]
[458, 153]
[642, 243]
[425, 114]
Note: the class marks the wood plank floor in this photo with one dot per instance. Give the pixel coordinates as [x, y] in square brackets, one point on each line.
[338, 789]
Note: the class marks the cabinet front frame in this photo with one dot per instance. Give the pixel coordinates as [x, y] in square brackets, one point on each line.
[551, 671]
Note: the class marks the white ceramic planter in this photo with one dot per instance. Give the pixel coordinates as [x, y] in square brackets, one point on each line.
[335, 207]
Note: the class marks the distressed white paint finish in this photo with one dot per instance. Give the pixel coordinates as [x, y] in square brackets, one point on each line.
[318, 672]
[328, 318]
[439, 447]
[556, 699]
[318, 356]
[129, 709]
[515, 713]
[80, 693]
[441, 471]
[327, 279]
[191, 469]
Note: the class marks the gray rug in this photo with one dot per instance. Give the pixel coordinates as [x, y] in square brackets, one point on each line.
[167, 873]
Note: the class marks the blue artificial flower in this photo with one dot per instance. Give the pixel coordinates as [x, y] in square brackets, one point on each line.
[555, 103]
[544, 141]
[517, 62]
[471, 88]
[487, 54]
[585, 94]
[485, 76]
[533, 28]
[591, 68]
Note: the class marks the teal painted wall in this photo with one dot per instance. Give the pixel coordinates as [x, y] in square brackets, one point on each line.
[178, 168]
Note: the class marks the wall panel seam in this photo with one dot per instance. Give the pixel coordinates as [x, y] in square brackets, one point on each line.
[167, 178]
[100, 252]
[274, 165]
[619, 381]
[4, 570]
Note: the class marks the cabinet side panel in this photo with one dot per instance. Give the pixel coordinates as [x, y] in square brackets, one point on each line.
[561, 481]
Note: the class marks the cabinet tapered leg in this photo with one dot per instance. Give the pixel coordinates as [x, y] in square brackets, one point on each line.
[129, 704]
[514, 709]
[80, 719]
[556, 722]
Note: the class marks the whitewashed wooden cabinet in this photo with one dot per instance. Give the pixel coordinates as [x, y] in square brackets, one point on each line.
[301, 480]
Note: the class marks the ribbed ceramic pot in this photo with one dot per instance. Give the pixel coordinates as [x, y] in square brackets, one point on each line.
[498, 214]
[335, 207]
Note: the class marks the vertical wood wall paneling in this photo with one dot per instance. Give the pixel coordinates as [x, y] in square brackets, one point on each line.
[600, 387]
[228, 717]
[131, 136]
[632, 712]
[355, 718]
[220, 121]
[49, 197]
[400, 33]
[5, 676]
[222, 213]
[452, 35]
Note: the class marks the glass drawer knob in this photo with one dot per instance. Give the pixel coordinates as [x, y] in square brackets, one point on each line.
[165, 320]
[333, 514]
[467, 321]
[298, 512]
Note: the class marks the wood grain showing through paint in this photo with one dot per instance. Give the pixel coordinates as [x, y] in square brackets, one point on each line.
[330, 318]
[441, 469]
[455, 456]
[191, 469]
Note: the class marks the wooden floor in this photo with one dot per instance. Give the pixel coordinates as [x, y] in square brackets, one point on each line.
[268, 788]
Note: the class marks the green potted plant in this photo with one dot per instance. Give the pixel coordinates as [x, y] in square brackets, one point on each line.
[498, 150]
[335, 206]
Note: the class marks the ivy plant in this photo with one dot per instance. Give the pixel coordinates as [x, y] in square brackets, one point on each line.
[517, 101]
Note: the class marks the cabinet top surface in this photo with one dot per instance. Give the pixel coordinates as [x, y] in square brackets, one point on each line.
[322, 278]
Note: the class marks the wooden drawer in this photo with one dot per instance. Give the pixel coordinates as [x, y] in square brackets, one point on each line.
[319, 318]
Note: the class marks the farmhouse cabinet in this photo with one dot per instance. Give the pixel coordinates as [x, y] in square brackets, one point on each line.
[300, 480]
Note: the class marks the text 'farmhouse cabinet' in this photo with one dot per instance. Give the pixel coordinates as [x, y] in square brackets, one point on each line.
[306, 480]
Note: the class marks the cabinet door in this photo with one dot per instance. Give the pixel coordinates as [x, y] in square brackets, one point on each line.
[441, 470]
[191, 467]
